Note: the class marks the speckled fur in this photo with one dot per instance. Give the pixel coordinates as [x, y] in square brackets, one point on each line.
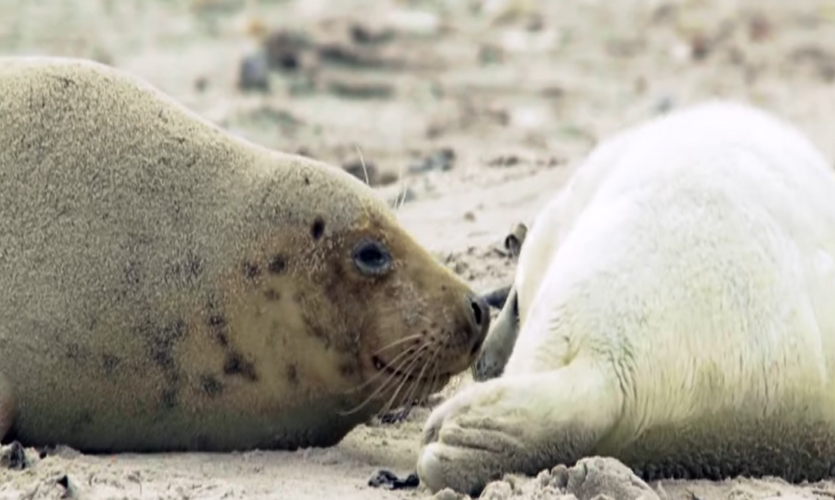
[675, 311]
[168, 286]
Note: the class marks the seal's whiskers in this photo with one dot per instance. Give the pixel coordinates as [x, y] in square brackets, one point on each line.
[408, 371]
[410, 396]
[392, 376]
[381, 372]
[398, 342]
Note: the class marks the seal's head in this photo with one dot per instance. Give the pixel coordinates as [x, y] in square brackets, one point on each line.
[363, 308]
[420, 324]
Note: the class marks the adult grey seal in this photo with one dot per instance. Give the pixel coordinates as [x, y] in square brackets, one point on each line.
[167, 286]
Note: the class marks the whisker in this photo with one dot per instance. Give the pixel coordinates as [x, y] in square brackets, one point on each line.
[416, 355]
[384, 385]
[430, 387]
[405, 367]
[408, 371]
[401, 196]
[416, 382]
[379, 374]
[373, 395]
[362, 162]
[399, 341]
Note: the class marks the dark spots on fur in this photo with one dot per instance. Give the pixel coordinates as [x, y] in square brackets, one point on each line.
[211, 385]
[65, 82]
[133, 272]
[315, 330]
[74, 352]
[272, 295]
[236, 364]
[306, 180]
[186, 270]
[222, 338]
[217, 321]
[83, 420]
[109, 362]
[195, 266]
[335, 288]
[347, 370]
[169, 397]
[292, 374]
[217, 325]
[278, 264]
[163, 340]
[212, 303]
[318, 228]
[251, 270]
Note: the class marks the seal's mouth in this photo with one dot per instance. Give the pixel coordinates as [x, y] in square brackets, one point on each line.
[382, 366]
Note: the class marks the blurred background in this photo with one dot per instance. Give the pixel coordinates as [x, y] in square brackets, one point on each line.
[443, 99]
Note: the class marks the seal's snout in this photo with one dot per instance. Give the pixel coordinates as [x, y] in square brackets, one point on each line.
[479, 322]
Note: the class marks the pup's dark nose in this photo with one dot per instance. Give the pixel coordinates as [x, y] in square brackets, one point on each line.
[479, 322]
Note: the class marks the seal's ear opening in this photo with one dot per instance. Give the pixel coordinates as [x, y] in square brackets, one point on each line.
[372, 258]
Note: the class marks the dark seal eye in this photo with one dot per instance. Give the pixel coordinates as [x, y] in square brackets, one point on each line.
[372, 258]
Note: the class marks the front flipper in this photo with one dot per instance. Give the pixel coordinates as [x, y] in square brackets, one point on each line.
[500, 341]
[518, 424]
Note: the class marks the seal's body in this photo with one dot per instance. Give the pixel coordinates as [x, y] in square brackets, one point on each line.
[676, 310]
[167, 286]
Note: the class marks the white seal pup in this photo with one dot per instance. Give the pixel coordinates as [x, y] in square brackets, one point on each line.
[676, 311]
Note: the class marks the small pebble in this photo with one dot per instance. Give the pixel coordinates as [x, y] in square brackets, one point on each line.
[386, 479]
[14, 457]
[254, 73]
[449, 494]
[441, 160]
[497, 490]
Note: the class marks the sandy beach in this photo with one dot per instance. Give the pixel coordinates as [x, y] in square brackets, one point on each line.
[468, 115]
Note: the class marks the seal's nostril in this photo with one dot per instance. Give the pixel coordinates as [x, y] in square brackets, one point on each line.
[480, 317]
[478, 314]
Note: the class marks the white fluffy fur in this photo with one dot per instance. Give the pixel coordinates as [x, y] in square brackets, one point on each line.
[676, 311]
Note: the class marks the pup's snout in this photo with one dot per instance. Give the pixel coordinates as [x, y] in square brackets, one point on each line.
[479, 322]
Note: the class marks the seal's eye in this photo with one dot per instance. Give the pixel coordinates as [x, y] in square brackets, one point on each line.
[372, 258]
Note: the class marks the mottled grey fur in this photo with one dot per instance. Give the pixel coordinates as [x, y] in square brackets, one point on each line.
[126, 226]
